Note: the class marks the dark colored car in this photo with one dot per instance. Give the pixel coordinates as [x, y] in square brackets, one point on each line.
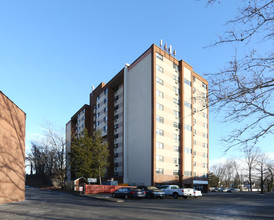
[153, 192]
[127, 192]
[233, 190]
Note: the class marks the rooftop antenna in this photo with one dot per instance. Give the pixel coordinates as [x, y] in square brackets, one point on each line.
[170, 49]
[174, 52]
[92, 88]
[165, 47]
[161, 43]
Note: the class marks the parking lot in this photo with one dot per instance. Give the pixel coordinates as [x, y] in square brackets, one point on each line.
[43, 204]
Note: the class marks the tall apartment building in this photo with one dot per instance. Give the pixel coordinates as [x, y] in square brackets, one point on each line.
[12, 151]
[154, 116]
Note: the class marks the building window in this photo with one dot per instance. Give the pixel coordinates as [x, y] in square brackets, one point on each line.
[187, 82]
[160, 132]
[194, 163]
[194, 142]
[204, 135]
[205, 125]
[176, 160]
[204, 165]
[205, 145]
[188, 150]
[176, 148]
[159, 119]
[159, 171]
[105, 100]
[98, 106]
[203, 95]
[194, 121]
[176, 101]
[176, 114]
[116, 107]
[106, 91]
[194, 153]
[175, 172]
[204, 115]
[204, 155]
[105, 109]
[176, 78]
[116, 155]
[160, 158]
[105, 119]
[116, 126]
[176, 137]
[194, 78]
[105, 128]
[159, 145]
[205, 175]
[159, 81]
[97, 123]
[187, 104]
[116, 145]
[176, 67]
[116, 136]
[194, 89]
[187, 173]
[176, 125]
[159, 93]
[204, 86]
[159, 68]
[159, 56]
[98, 97]
[116, 98]
[159, 106]
[188, 127]
[97, 115]
[176, 90]
[116, 117]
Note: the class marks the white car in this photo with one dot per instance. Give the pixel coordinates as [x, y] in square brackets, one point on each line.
[176, 191]
[197, 193]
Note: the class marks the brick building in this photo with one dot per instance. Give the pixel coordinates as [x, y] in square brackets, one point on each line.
[154, 116]
[12, 151]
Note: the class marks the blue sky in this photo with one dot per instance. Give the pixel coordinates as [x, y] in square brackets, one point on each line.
[53, 52]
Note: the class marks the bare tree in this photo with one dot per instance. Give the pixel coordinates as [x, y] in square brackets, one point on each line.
[229, 172]
[251, 155]
[265, 170]
[243, 90]
[269, 179]
[218, 171]
[48, 154]
[226, 172]
[56, 141]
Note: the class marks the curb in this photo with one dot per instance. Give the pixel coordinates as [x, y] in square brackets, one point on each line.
[110, 199]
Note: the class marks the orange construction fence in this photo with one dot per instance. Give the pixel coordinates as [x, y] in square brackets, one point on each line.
[95, 189]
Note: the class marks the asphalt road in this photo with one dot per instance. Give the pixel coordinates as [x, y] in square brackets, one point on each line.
[43, 204]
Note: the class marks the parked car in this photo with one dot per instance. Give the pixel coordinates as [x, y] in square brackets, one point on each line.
[232, 190]
[214, 190]
[225, 190]
[197, 193]
[127, 192]
[175, 191]
[153, 192]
